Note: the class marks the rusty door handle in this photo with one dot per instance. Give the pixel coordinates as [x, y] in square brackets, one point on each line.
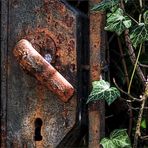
[32, 62]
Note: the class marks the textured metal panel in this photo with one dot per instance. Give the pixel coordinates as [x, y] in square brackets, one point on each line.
[52, 27]
[4, 65]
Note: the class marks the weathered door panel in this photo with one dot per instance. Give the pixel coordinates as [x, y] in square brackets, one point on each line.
[54, 29]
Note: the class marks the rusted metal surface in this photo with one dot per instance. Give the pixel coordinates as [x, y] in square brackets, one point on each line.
[4, 65]
[32, 62]
[52, 27]
[96, 110]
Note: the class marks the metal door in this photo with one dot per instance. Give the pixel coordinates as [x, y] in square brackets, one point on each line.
[31, 115]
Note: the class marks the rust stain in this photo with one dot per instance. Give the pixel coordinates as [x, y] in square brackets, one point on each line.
[53, 5]
[60, 29]
[43, 42]
[53, 32]
[96, 110]
[96, 27]
[60, 38]
[68, 20]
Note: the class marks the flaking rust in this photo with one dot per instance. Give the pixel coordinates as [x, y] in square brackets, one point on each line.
[44, 23]
[32, 62]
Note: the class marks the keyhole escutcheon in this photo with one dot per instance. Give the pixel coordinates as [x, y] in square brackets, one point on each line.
[38, 124]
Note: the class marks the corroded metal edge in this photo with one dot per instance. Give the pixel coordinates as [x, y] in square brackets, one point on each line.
[97, 109]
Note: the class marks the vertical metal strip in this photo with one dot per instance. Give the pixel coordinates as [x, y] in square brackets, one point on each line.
[97, 109]
[4, 64]
[78, 134]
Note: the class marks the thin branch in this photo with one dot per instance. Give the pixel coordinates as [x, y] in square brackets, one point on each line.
[131, 52]
[135, 66]
[138, 133]
[133, 57]
[129, 95]
[131, 18]
[142, 65]
[110, 116]
[135, 5]
[123, 61]
[127, 81]
[144, 137]
[138, 108]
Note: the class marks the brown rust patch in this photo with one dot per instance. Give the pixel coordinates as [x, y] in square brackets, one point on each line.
[96, 110]
[60, 38]
[68, 20]
[47, 26]
[43, 43]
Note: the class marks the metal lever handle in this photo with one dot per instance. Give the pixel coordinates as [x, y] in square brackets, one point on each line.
[32, 62]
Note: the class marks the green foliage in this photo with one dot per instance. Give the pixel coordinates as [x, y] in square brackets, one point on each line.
[145, 17]
[117, 22]
[102, 90]
[120, 18]
[143, 124]
[139, 34]
[118, 139]
[105, 4]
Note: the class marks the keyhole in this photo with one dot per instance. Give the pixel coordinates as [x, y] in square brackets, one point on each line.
[38, 123]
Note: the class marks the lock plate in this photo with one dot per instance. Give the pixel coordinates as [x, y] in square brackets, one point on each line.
[54, 28]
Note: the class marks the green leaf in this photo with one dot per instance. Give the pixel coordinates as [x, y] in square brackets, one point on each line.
[102, 90]
[118, 139]
[111, 95]
[145, 17]
[107, 143]
[139, 34]
[117, 22]
[105, 4]
[143, 124]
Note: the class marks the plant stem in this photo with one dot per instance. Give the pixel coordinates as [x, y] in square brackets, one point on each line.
[129, 95]
[137, 59]
[131, 52]
[127, 81]
[123, 62]
[135, 66]
[140, 3]
[140, 14]
[131, 18]
[138, 133]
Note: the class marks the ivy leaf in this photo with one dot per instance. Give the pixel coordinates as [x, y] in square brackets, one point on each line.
[105, 4]
[118, 139]
[111, 95]
[117, 22]
[102, 90]
[107, 143]
[145, 17]
[139, 34]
